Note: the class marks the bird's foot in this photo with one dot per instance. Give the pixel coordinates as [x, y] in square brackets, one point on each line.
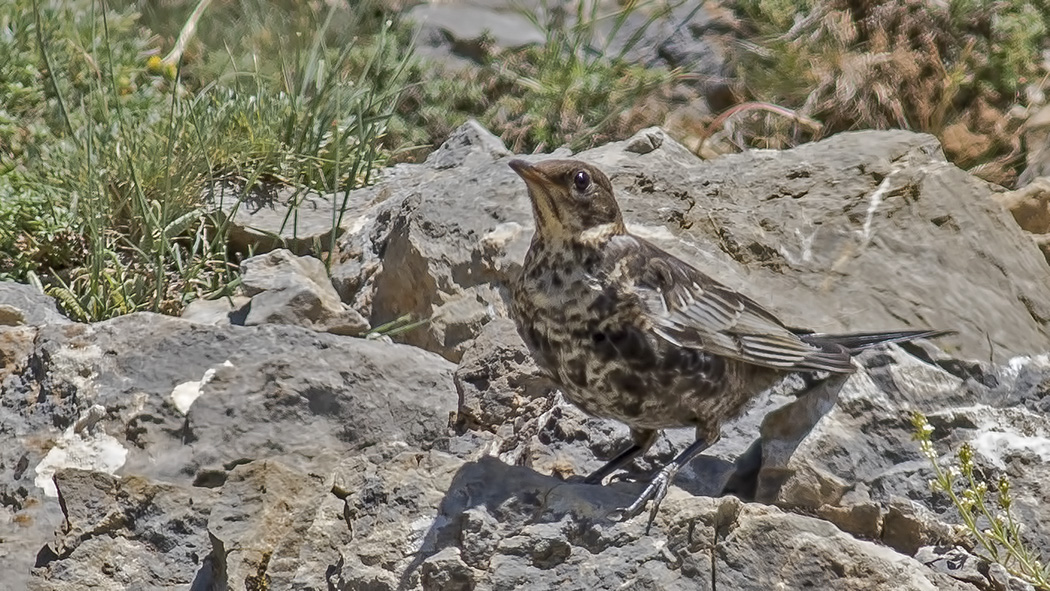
[655, 492]
[657, 489]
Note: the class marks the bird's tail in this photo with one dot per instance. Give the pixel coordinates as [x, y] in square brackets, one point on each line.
[858, 341]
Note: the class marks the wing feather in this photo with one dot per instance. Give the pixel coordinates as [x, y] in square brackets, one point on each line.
[689, 309]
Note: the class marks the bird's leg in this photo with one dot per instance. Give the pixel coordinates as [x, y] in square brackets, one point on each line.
[657, 489]
[642, 439]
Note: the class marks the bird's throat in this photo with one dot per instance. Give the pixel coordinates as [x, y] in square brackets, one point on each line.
[547, 215]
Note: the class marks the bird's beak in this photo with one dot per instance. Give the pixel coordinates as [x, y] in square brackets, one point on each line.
[544, 208]
[531, 175]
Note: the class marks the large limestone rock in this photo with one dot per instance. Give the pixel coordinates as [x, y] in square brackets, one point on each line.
[171, 401]
[402, 519]
[286, 289]
[440, 245]
[862, 231]
[165, 453]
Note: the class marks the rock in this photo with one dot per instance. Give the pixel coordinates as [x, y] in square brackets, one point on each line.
[83, 445]
[281, 288]
[645, 142]
[265, 506]
[270, 217]
[454, 31]
[877, 220]
[421, 254]
[497, 379]
[220, 312]
[862, 520]
[812, 553]
[1030, 207]
[446, 570]
[469, 145]
[186, 403]
[909, 526]
[126, 532]
[955, 562]
[286, 289]
[782, 431]
[22, 304]
[16, 345]
[1002, 580]
[1036, 134]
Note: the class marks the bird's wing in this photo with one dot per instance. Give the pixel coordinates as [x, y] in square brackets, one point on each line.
[692, 310]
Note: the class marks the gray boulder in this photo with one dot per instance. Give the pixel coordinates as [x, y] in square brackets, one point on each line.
[279, 287]
[119, 533]
[862, 231]
[461, 33]
[268, 217]
[168, 400]
[439, 247]
[286, 289]
[25, 305]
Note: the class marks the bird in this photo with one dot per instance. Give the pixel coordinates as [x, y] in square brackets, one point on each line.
[632, 333]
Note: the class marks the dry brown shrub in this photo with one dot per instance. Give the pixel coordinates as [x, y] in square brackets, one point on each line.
[911, 64]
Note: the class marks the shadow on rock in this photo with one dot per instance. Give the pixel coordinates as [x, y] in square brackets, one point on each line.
[489, 504]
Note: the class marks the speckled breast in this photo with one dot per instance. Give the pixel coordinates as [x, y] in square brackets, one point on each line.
[597, 346]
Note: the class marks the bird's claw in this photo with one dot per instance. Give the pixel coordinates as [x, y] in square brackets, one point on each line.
[655, 492]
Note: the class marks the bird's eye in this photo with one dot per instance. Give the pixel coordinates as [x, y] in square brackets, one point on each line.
[582, 180]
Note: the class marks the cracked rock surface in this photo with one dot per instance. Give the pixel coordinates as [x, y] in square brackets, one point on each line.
[861, 230]
[155, 452]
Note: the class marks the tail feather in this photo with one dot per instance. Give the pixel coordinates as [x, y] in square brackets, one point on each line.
[858, 341]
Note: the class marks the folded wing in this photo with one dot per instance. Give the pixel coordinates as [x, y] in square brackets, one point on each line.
[691, 310]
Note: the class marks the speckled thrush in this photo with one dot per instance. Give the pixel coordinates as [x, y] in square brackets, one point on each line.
[632, 333]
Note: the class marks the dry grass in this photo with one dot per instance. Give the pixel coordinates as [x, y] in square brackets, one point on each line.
[952, 68]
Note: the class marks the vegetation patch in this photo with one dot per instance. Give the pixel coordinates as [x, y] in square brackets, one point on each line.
[985, 506]
[107, 150]
[954, 69]
[573, 90]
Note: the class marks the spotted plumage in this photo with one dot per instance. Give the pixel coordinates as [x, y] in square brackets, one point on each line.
[632, 333]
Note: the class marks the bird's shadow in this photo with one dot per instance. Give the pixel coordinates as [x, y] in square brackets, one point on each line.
[516, 496]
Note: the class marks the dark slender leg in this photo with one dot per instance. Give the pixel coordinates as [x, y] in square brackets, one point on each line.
[657, 488]
[642, 440]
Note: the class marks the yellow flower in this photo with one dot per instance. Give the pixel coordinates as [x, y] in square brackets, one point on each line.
[155, 65]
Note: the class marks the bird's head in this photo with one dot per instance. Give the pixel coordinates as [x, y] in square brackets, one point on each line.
[570, 199]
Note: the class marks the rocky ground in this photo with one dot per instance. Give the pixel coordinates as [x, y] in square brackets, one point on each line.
[262, 443]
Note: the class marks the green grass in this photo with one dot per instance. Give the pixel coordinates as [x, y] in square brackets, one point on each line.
[107, 149]
[106, 152]
[572, 90]
[986, 508]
